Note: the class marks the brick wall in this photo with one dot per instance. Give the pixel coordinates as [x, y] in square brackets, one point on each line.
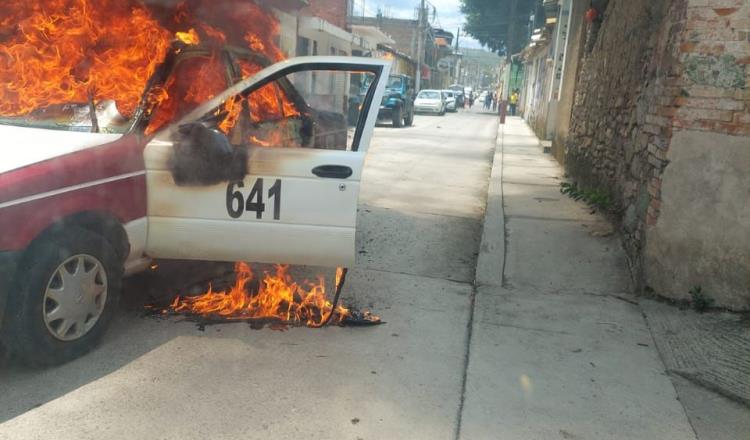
[708, 89]
[659, 71]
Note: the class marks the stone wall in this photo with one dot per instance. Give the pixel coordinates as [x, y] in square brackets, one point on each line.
[661, 74]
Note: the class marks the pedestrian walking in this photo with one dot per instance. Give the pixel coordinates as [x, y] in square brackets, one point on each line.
[494, 102]
[513, 102]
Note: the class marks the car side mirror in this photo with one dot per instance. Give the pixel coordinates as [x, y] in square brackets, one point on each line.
[204, 156]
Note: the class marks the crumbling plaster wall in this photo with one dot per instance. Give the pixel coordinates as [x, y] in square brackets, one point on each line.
[702, 235]
[576, 39]
[661, 109]
[698, 222]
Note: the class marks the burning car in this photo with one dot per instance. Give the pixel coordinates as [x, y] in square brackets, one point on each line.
[226, 156]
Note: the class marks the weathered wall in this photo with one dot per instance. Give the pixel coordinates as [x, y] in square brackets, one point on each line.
[698, 223]
[573, 51]
[702, 235]
[537, 95]
[403, 32]
[659, 71]
[332, 11]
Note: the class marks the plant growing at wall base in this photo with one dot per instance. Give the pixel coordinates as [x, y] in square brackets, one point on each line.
[700, 301]
[595, 198]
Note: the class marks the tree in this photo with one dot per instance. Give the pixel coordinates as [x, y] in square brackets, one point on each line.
[501, 25]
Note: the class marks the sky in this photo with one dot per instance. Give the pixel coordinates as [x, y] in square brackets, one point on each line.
[449, 14]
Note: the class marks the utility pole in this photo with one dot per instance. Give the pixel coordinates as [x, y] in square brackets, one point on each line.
[511, 30]
[420, 46]
[458, 58]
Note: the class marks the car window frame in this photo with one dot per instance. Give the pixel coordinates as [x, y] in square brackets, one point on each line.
[141, 119]
[279, 70]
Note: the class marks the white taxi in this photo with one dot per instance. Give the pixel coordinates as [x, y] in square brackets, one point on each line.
[268, 170]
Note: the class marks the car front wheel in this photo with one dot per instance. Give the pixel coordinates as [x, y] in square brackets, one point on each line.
[67, 290]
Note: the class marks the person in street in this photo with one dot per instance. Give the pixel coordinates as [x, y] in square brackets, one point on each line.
[513, 102]
[494, 102]
[488, 101]
[471, 99]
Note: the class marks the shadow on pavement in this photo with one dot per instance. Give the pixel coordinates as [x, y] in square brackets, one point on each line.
[23, 388]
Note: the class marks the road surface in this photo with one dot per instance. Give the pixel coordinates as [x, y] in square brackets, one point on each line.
[507, 316]
[420, 221]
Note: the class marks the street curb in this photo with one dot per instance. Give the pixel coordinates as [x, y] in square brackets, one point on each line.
[491, 258]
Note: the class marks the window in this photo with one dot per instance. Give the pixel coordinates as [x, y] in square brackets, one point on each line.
[394, 82]
[295, 115]
[429, 95]
[303, 46]
[289, 113]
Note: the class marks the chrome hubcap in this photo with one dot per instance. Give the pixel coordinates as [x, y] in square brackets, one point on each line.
[75, 297]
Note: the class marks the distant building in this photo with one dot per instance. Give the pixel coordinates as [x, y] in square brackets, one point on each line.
[405, 35]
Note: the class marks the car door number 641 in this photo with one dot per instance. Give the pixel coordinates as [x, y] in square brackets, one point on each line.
[237, 204]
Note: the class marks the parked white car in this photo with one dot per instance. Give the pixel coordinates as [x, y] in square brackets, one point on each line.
[450, 100]
[430, 101]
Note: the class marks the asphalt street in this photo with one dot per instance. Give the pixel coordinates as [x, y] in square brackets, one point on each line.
[507, 309]
[419, 229]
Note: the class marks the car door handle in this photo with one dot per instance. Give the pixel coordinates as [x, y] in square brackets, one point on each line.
[332, 171]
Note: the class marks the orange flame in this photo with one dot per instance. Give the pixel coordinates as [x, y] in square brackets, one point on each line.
[190, 37]
[277, 297]
[60, 51]
[56, 52]
[213, 33]
[205, 84]
[195, 80]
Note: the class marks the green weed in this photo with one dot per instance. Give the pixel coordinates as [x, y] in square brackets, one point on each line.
[701, 301]
[595, 198]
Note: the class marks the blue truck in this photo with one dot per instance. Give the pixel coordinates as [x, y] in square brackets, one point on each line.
[397, 105]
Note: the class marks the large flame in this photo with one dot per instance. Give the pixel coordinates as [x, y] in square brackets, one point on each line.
[277, 297]
[66, 51]
[229, 21]
[76, 51]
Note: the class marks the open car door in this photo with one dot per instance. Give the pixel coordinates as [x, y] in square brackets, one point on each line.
[268, 170]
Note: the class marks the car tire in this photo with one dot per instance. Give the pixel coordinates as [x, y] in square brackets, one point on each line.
[38, 328]
[397, 117]
[409, 119]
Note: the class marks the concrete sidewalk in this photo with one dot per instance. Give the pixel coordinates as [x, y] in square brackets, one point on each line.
[558, 347]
